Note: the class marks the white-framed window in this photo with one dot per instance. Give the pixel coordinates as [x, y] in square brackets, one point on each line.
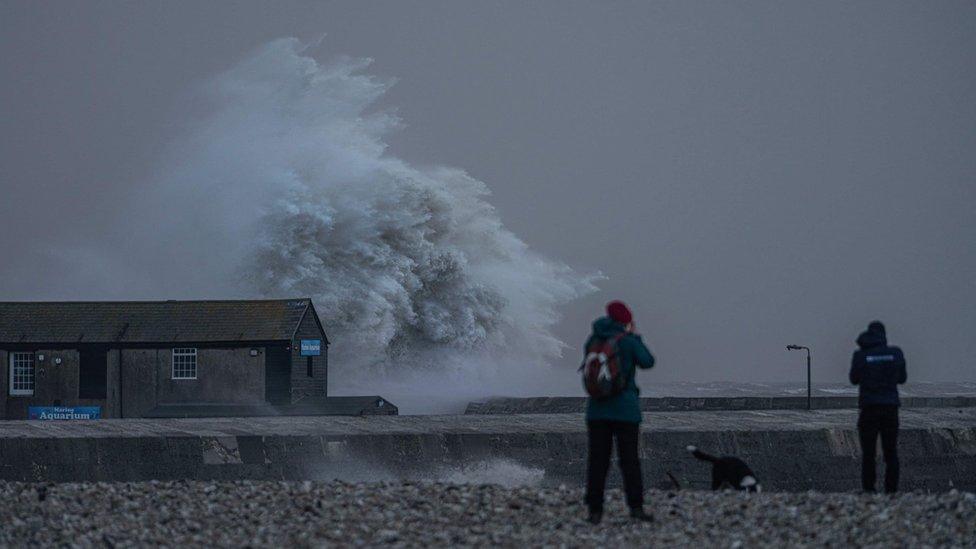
[185, 363]
[22, 373]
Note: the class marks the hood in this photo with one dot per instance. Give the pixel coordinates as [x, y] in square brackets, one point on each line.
[605, 327]
[871, 339]
[877, 326]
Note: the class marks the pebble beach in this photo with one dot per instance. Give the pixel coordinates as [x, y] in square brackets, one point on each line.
[435, 514]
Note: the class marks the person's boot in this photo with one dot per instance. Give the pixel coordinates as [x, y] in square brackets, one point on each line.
[595, 517]
[638, 513]
[891, 486]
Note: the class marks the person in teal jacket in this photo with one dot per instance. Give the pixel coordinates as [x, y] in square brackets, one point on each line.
[618, 416]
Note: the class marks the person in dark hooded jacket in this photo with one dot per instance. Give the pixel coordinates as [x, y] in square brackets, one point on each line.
[618, 416]
[877, 369]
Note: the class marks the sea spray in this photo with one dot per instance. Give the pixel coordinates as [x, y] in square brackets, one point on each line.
[284, 186]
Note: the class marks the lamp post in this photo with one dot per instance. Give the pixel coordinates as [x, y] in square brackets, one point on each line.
[807, 349]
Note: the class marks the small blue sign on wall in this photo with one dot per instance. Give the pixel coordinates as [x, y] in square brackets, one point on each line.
[311, 347]
[60, 412]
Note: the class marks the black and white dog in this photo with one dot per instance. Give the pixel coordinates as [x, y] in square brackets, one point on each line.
[729, 471]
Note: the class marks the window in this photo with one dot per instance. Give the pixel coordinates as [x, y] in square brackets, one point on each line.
[185, 363]
[21, 373]
[308, 367]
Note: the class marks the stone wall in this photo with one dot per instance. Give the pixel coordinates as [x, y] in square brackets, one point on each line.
[224, 375]
[790, 451]
[304, 386]
[139, 381]
[57, 384]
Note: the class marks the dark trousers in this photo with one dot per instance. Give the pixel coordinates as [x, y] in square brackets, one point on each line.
[875, 420]
[601, 434]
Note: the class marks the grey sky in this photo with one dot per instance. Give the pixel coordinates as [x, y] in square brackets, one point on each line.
[746, 174]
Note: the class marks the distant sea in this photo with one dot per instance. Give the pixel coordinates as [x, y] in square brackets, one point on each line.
[726, 389]
[424, 404]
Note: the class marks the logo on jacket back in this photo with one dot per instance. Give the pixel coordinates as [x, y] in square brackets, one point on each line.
[879, 358]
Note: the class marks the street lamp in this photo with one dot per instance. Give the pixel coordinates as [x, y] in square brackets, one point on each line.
[807, 349]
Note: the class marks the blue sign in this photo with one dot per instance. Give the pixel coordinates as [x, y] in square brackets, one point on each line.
[311, 347]
[59, 412]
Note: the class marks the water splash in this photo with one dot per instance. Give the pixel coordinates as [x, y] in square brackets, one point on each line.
[504, 472]
[287, 189]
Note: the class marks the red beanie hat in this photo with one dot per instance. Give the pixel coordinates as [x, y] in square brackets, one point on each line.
[618, 312]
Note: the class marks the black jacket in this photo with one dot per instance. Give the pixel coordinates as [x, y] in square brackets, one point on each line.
[877, 369]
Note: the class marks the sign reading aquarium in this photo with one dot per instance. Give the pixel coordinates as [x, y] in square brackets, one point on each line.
[59, 412]
[311, 347]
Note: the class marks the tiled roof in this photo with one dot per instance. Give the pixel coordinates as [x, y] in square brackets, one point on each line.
[150, 321]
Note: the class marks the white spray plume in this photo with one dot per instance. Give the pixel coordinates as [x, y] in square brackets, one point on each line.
[285, 187]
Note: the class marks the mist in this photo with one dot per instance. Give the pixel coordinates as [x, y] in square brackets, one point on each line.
[744, 176]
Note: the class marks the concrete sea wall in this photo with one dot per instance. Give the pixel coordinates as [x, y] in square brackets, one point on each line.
[568, 405]
[789, 450]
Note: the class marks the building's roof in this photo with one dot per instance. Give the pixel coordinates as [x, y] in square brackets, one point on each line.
[151, 321]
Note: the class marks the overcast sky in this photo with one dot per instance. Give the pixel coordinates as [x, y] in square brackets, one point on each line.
[745, 174]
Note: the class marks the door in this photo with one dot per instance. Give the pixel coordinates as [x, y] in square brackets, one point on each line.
[92, 373]
[277, 375]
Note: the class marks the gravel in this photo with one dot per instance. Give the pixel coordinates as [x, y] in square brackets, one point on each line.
[248, 513]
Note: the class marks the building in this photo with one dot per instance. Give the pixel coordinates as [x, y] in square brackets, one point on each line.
[167, 359]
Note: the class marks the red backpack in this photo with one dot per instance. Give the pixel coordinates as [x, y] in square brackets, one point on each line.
[602, 376]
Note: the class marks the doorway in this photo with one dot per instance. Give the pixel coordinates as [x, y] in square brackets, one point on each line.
[92, 373]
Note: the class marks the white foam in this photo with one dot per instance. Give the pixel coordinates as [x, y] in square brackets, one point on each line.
[284, 188]
[497, 471]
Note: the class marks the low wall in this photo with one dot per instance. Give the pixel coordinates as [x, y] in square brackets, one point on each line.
[320, 406]
[789, 450]
[566, 405]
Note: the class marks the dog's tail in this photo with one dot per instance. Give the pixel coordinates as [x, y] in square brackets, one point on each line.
[674, 481]
[701, 455]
